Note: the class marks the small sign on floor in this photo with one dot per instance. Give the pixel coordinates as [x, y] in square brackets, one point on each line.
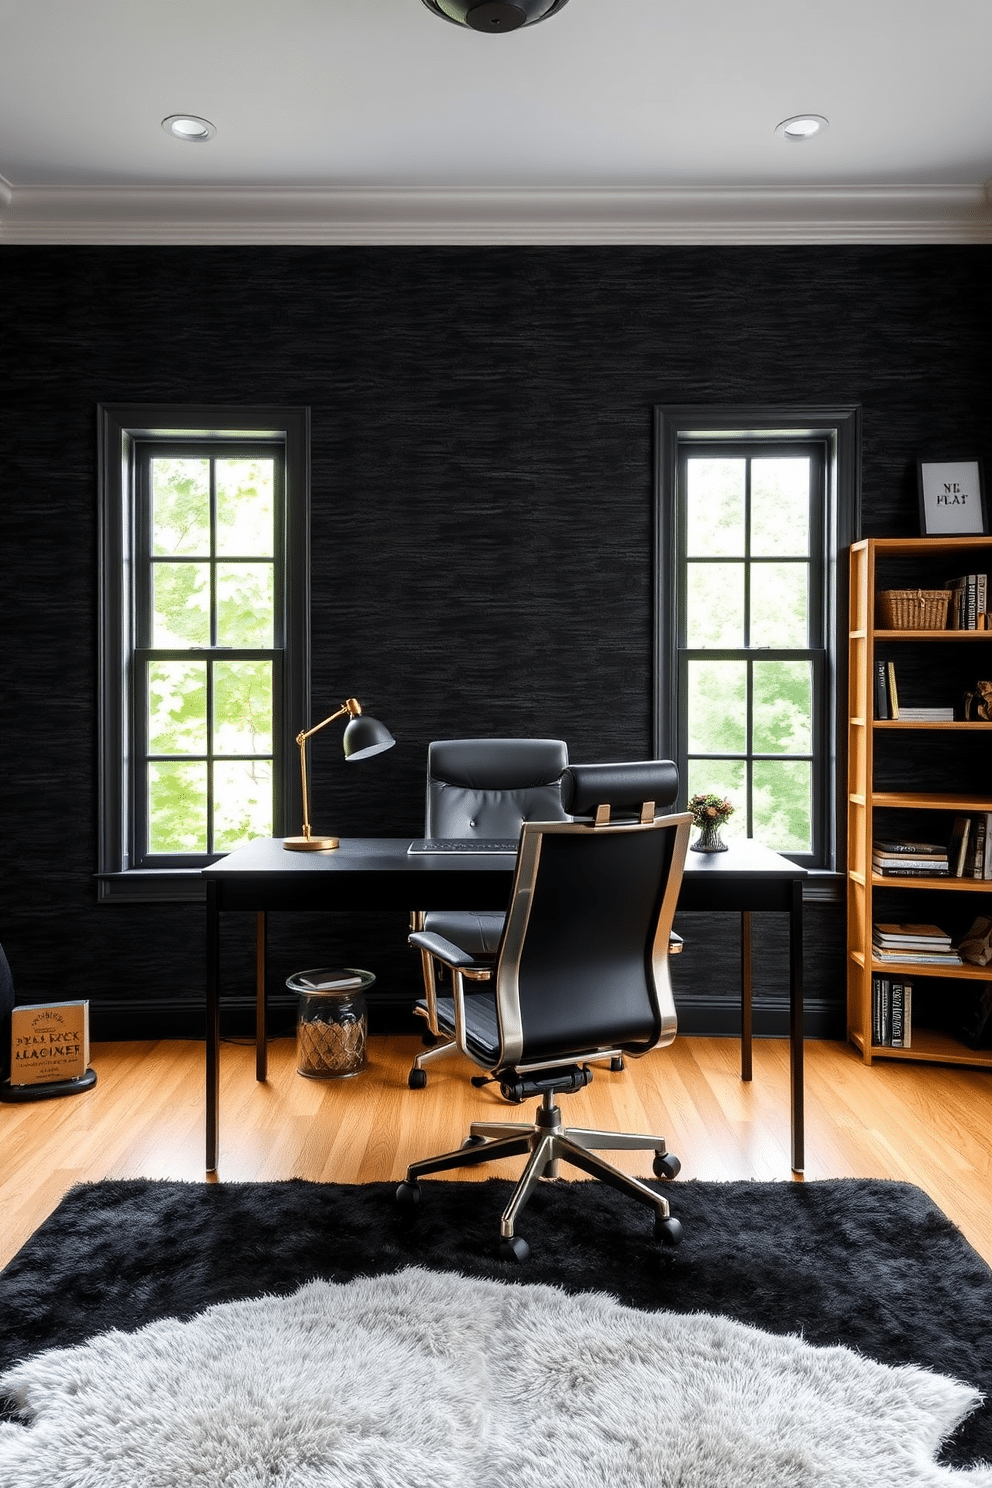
[49, 1050]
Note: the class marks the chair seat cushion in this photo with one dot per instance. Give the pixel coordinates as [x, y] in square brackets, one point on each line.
[474, 931]
[480, 1023]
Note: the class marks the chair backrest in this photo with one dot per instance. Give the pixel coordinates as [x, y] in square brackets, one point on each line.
[583, 962]
[486, 787]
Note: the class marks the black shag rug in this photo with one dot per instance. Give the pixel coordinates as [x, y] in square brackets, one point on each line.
[872, 1265]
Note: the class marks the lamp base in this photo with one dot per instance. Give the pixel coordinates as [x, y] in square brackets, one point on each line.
[310, 844]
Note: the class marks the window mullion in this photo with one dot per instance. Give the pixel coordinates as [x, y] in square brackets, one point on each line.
[747, 559]
[214, 628]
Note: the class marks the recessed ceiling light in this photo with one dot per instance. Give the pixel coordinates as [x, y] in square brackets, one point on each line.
[189, 127]
[495, 16]
[801, 127]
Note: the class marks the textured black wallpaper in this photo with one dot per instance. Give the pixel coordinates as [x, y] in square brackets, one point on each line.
[482, 522]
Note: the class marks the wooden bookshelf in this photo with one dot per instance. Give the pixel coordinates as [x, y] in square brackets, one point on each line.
[873, 802]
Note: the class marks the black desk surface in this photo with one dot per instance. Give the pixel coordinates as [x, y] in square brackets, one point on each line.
[378, 872]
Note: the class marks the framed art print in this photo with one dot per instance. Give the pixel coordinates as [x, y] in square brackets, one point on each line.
[952, 501]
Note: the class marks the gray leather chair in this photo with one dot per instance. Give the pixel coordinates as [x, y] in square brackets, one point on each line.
[581, 975]
[483, 789]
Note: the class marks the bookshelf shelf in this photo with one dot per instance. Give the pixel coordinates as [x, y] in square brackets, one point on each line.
[897, 788]
[931, 1045]
[946, 636]
[936, 886]
[932, 800]
[958, 724]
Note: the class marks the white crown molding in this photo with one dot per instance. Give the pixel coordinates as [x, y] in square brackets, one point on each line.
[172, 215]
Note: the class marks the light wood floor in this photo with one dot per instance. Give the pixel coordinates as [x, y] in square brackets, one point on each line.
[922, 1124]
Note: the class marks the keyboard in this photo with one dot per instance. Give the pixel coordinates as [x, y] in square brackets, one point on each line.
[473, 845]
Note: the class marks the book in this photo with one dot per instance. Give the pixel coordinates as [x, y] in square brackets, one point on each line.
[981, 852]
[900, 870]
[926, 715]
[902, 860]
[902, 1015]
[976, 852]
[897, 1023]
[334, 981]
[914, 849]
[917, 934]
[893, 690]
[49, 1041]
[881, 690]
[957, 848]
[879, 999]
[914, 956]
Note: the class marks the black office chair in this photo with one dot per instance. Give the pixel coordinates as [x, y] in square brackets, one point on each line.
[481, 789]
[581, 974]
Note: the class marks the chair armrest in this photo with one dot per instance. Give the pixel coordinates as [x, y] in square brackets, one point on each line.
[447, 953]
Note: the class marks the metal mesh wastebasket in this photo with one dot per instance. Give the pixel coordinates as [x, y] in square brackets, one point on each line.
[331, 1021]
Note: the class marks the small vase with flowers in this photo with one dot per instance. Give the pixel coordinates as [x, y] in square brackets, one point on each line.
[709, 812]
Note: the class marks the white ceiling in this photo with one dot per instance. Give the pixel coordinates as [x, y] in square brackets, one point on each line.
[615, 120]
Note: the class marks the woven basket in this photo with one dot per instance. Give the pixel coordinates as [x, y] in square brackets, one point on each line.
[913, 609]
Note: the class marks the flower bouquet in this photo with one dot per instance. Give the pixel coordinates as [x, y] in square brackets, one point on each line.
[709, 812]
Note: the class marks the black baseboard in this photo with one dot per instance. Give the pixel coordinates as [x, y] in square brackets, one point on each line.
[121, 1022]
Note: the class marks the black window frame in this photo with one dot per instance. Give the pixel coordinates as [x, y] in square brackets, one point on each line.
[128, 434]
[834, 433]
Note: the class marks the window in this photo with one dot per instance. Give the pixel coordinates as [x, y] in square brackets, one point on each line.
[204, 637]
[752, 513]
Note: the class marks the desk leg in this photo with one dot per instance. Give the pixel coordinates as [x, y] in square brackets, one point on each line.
[746, 1019]
[213, 1023]
[261, 1044]
[796, 1025]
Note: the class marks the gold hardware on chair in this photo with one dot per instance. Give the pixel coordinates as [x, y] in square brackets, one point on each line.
[602, 816]
[647, 812]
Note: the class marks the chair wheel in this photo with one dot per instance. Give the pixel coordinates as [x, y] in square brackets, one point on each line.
[408, 1195]
[514, 1248]
[616, 1065]
[666, 1165]
[473, 1141]
[668, 1231]
[417, 1078]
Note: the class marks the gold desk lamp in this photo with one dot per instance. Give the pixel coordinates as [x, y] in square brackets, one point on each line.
[363, 737]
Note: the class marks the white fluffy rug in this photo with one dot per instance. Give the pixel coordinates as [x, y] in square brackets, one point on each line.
[427, 1380]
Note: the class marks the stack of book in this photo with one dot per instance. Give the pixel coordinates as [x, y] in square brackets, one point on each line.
[926, 715]
[916, 945]
[969, 851]
[896, 857]
[968, 605]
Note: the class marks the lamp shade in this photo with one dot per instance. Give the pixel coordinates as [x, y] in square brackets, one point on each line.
[365, 736]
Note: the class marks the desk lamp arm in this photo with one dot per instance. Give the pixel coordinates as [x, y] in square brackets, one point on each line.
[353, 708]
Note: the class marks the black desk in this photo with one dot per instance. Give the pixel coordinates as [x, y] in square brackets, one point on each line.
[378, 873]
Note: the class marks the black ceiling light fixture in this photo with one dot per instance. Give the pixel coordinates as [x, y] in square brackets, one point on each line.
[495, 15]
